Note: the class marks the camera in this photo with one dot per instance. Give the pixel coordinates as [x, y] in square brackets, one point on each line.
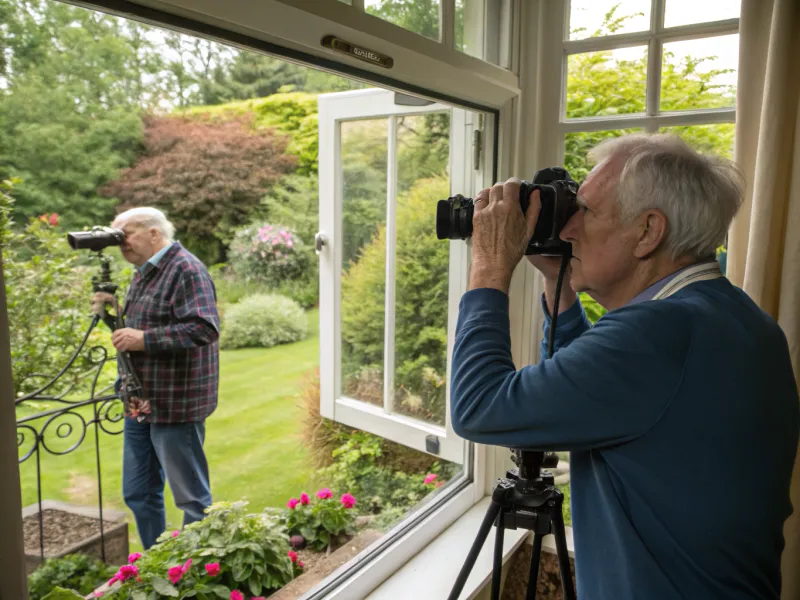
[558, 193]
[96, 238]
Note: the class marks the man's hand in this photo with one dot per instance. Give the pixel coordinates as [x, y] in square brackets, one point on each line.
[128, 339]
[500, 234]
[99, 301]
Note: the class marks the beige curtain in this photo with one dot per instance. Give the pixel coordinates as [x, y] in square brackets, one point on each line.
[764, 252]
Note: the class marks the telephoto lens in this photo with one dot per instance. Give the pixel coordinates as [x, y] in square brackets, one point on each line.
[96, 238]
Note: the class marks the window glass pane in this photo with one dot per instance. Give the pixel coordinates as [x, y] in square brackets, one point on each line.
[595, 18]
[482, 29]
[577, 146]
[421, 268]
[364, 152]
[419, 16]
[610, 82]
[700, 73]
[711, 139]
[686, 12]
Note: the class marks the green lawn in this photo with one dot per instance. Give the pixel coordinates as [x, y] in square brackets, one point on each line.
[252, 440]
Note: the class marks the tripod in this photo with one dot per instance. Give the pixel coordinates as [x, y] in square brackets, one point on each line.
[528, 499]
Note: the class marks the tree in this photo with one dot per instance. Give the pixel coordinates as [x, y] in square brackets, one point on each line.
[69, 112]
[209, 177]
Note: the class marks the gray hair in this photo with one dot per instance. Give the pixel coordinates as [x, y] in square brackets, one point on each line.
[147, 216]
[699, 194]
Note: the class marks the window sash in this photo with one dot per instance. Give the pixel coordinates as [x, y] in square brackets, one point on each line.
[334, 109]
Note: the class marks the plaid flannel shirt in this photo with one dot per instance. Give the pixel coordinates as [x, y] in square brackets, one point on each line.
[174, 303]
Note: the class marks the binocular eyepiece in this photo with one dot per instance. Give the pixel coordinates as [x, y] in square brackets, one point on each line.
[558, 194]
[96, 238]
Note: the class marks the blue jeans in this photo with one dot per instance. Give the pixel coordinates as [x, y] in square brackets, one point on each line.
[152, 450]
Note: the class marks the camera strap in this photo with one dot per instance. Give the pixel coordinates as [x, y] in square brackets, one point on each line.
[702, 272]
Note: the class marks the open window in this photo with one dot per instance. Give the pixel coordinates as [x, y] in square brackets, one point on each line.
[384, 356]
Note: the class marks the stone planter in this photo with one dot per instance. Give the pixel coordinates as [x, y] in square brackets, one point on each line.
[83, 537]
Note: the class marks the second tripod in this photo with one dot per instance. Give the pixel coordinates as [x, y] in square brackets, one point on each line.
[525, 499]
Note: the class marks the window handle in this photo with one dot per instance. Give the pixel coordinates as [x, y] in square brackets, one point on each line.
[319, 242]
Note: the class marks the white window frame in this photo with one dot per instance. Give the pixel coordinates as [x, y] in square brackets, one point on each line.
[334, 110]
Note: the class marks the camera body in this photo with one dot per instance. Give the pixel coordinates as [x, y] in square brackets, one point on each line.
[96, 238]
[558, 194]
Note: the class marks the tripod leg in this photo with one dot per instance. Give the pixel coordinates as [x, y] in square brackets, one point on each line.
[497, 568]
[533, 575]
[483, 532]
[563, 554]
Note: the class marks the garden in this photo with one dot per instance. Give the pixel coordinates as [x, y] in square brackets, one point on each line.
[100, 114]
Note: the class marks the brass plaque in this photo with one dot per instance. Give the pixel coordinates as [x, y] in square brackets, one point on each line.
[359, 52]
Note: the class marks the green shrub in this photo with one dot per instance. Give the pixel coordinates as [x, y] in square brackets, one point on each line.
[263, 321]
[270, 254]
[228, 550]
[358, 466]
[74, 571]
[420, 309]
[48, 291]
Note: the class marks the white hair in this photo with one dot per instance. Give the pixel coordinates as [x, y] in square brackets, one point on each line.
[699, 194]
[147, 216]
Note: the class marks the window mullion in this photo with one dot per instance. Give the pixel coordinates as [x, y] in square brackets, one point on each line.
[447, 23]
[654, 50]
[391, 242]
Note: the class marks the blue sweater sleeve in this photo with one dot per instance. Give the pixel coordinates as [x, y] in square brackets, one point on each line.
[608, 386]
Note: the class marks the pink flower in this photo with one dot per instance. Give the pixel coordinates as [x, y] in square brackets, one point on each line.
[176, 533]
[348, 500]
[98, 594]
[53, 219]
[212, 569]
[237, 595]
[126, 572]
[324, 493]
[300, 564]
[430, 478]
[439, 484]
[292, 555]
[292, 503]
[175, 574]
[132, 558]
[304, 499]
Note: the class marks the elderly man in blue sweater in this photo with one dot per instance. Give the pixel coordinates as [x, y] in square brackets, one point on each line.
[679, 407]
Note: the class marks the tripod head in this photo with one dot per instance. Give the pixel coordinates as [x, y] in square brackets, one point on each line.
[101, 282]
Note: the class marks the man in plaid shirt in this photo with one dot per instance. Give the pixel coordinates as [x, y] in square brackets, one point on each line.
[171, 333]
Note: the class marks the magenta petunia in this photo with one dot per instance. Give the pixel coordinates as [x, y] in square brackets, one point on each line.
[133, 557]
[348, 500]
[212, 569]
[292, 503]
[292, 555]
[430, 478]
[324, 493]
[237, 595]
[304, 499]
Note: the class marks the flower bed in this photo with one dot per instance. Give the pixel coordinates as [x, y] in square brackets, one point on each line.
[235, 555]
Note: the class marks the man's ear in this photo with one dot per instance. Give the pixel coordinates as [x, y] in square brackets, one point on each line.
[652, 231]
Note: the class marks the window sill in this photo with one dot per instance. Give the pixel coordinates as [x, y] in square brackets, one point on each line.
[432, 572]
